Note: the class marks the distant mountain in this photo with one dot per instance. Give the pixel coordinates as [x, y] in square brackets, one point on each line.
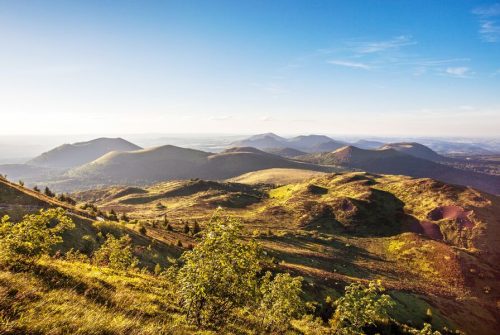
[262, 141]
[391, 161]
[306, 143]
[331, 145]
[416, 150]
[72, 155]
[368, 144]
[170, 162]
[285, 152]
[449, 147]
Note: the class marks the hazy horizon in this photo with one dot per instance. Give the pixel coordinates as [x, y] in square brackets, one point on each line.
[403, 69]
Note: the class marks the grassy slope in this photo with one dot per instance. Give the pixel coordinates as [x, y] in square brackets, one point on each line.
[275, 176]
[62, 297]
[373, 240]
[366, 238]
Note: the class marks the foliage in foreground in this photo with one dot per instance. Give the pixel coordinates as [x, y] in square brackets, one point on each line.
[26, 241]
[116, 253]
[221, 274]
[219, 285]
[359, 307]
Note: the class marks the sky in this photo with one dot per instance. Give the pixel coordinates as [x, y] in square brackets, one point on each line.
[416, 68]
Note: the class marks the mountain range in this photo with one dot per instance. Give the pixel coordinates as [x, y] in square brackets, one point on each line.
[403, 159]
[106, 161]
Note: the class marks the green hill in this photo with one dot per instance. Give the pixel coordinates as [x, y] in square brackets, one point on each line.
[71, 155]
[391, 161]
[170, 163]
[332, 229]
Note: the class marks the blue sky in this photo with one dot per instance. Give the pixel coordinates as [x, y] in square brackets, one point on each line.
[333, 67]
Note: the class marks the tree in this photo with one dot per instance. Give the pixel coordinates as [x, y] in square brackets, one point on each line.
[48, 192]
[124, 217]
[218, 275]
[186, 228]
[21, 183]
[196, 227]
[112, 215]
[142, 229]
[359, 307]
[33, 237]
[116, 253]
[280, 301]
[36, 189]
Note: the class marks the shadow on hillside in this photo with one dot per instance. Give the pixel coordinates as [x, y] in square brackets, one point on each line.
[378, 214]
[52, 279]
[341, 258]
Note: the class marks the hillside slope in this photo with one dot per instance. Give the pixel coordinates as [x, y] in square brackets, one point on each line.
[390, 161]
[416, 150]
[433, 245]
[170, 162]
[71, 155]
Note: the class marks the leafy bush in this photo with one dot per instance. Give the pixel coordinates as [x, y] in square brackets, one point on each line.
[280, 301]
[359, 307]
[219, 274]
[33, 237]
[116, 253]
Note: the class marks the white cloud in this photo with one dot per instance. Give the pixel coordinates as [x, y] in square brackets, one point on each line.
[489, 22]
[355, 65]
[378, 46]
[459, 72]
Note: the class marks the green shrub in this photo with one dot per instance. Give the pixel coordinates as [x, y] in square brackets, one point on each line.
[33, 237]
[359, 307]
[280, 301]
[116, 253]
[219, 274]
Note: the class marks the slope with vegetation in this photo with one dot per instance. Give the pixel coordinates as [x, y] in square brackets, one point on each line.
[332, 230]
[434, 245]
[170, 162]
[391, 161]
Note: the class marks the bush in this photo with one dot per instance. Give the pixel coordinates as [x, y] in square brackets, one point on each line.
[196, 227]
[112, 215]
[33, 237]
[219, 274]
[116, 253]
[48, 192]
[280, 301]
[359, 307]
[142, 229]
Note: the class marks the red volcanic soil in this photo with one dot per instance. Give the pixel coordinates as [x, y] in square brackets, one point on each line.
[457, 213]
[428, 229]
[346, 205]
